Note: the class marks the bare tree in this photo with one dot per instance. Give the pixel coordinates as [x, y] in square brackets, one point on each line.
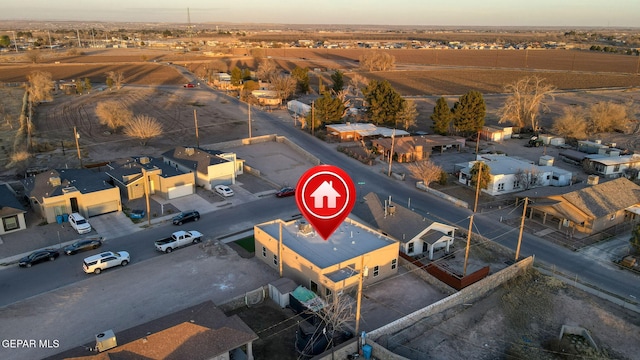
[357, 82]
[608, 116]
[335, 316]
[528, 97]
[34, 56]
[426, 171]
[113, 114]
[284, 85]
[407, 115]
[117, 77]
[528, 178]
[266, 69]
[572, 123]
[39, 87]
[144, 128]
[377, 61]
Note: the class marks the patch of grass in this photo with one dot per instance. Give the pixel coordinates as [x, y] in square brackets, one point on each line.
[247, 243]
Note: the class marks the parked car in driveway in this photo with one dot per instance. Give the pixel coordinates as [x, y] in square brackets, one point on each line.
[137, 214]
[82, 245]
[38, 256]
[224, 190]
[79, 223]
[186, 216]
[286, 191]
[96, 263]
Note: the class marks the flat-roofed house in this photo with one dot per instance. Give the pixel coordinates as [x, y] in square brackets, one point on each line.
[326, 266]
[211, 167]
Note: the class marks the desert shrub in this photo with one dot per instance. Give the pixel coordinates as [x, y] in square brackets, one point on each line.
[113, 114]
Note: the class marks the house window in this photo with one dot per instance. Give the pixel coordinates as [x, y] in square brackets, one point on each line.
[548, 177]
[616, 168]
[394, 264]
[327, 292]
[410, 248]
[376, 271]
[275, 259]
[264, 251]
[555, 177]
[501, 187]
[313, 286]
[10, 223]
[516, 184]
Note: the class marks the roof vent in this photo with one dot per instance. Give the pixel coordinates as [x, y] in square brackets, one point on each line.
[105, 341]
[304, 227]
[189, 151]
[392, 209]
[144, 160]
[54, 181]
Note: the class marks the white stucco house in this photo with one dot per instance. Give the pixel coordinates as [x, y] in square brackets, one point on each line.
[510, 174]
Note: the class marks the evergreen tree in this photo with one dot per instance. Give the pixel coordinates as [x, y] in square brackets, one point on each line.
[485, 174]
[469, 112]
[327, 109]
[5, 41]
[302, 79]
[338, 81]
[384, 102]
[246, 74]
[236, 76]
[441, 117]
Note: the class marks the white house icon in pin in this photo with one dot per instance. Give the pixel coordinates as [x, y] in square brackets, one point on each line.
[325, 190]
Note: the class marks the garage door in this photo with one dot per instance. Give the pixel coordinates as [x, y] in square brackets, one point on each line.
[178, 191]
[103, 208]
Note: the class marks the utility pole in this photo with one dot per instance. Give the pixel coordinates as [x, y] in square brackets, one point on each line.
[195, 119]
[249, 112]
[524, 213]
[77, 136]
[15, 43]
[393, 137]
[359, 300]
[466, 252]
[146, 193]
[50, 44]
[78, 33]
[313, 117]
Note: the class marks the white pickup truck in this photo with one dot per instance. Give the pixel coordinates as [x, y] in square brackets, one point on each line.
[178, 239]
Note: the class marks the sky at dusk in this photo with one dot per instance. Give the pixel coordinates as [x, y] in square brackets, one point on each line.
[559, 13]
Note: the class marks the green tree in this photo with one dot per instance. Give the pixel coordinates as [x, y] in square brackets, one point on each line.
[87, 84]
[338, 81]
[327, 109]
[246, 74]
[79, 86]
[236, 76]
[166, 33]
[302, 79]
[469, 112]
[384, 102]
[5, 41]
[441, 117]
[485, 174]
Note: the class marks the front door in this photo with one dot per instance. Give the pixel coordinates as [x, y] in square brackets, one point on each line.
[74, 205]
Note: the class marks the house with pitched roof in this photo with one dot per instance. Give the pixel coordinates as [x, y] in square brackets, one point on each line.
[417, 235]
[416, 148]
[164, 180]
[200, 332]
[11, 211]
[326, 266]
[586, 208]
[210, 167]
[65, 191]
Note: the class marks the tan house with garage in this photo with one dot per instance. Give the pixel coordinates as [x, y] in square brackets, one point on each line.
[65, 191]
[210, 167]
[326, 266]
[164, 180]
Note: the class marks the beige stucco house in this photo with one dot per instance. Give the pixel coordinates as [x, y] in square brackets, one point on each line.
[65, 191]
[164, 180]
[210, 167]
[326, 266]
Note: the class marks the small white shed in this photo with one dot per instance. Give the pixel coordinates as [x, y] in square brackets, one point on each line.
[279, 291]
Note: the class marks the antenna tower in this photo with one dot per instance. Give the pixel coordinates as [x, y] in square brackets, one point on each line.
[189, 26]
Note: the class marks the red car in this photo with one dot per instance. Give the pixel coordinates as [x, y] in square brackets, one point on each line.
[284, 192]
[189, 85]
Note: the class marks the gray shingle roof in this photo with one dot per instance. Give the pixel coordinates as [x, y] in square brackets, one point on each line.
[85, 181]
[605, 198]
[9, 204]
[195, 158]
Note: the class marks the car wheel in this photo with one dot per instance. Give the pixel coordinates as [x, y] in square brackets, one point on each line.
[51, 258]
[179, 222]
[196, 240]
[28, 265]
[196, 219]
[124, 263]
[97, 271]
[168, 250]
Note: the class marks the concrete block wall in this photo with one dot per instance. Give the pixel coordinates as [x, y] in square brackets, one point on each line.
[466, 295]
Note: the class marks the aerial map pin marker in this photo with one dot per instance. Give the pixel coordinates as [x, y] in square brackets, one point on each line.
[325, 195]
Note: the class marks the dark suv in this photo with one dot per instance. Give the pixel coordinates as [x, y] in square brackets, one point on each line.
[186, 216]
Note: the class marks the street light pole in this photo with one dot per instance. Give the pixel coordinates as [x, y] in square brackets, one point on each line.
[77, 136]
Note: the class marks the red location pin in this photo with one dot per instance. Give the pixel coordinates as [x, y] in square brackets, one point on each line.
[325, 195]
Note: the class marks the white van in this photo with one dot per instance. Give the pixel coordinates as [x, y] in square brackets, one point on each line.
[79, 223]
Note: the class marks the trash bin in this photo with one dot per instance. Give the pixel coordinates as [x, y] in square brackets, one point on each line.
[366, 351]
[65, 217]
[59, 219]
